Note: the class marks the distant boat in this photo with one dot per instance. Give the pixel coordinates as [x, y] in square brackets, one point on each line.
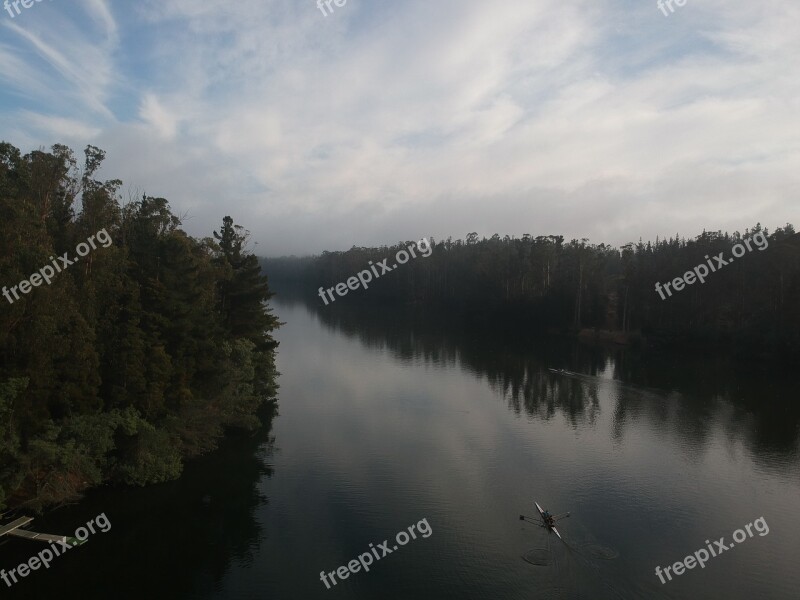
[565, 372]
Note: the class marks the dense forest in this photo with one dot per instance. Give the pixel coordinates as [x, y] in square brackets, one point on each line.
[544, 284]
[139, 348]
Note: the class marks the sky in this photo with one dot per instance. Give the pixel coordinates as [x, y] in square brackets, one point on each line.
[380, 121]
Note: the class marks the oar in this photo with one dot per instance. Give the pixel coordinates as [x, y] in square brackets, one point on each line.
[564, 516]
[529, 520]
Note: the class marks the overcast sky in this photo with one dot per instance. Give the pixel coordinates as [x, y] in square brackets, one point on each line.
[387, 121]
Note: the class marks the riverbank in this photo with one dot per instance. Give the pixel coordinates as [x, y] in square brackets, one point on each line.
[57, 497]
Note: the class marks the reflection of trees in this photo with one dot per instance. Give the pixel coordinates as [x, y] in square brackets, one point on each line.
[525, 383]
[174, 540]
[750, 402]
[679, 393]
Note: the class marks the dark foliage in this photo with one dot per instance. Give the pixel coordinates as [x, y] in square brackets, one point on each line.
[142, 353]
[546, 284]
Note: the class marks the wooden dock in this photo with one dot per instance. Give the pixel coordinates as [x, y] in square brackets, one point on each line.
[14, 525]
[39, 537]
[14, 529]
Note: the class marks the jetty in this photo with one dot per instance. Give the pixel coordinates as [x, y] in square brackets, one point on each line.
[14, 529]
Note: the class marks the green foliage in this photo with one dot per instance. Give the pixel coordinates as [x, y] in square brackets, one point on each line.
[150, 456]
[243, 289]
[240, 401]
[140, 354]
[10, 390]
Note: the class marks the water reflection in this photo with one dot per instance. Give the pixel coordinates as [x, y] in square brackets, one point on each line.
[692, 396]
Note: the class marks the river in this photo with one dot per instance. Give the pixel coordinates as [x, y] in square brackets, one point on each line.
[388, 421]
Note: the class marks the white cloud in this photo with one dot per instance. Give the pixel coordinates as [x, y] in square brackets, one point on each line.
[157, 117]
[380, 123]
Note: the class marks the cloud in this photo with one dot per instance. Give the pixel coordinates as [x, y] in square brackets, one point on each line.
[386, 122]
[157, 117]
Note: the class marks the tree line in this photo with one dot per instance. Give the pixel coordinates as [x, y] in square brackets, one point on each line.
[140, 355]
[545, 284]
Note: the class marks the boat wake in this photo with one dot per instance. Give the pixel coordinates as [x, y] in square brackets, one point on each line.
[539, 557]
[598, 551]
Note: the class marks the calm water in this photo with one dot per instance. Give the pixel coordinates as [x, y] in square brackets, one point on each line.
[386, 420]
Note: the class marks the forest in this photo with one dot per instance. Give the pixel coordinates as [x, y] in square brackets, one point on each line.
[543, 284]
[143, 353]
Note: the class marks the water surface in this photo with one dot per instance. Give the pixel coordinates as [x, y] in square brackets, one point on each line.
[387, 419]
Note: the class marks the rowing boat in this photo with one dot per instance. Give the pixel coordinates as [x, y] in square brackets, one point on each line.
[551, 527]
